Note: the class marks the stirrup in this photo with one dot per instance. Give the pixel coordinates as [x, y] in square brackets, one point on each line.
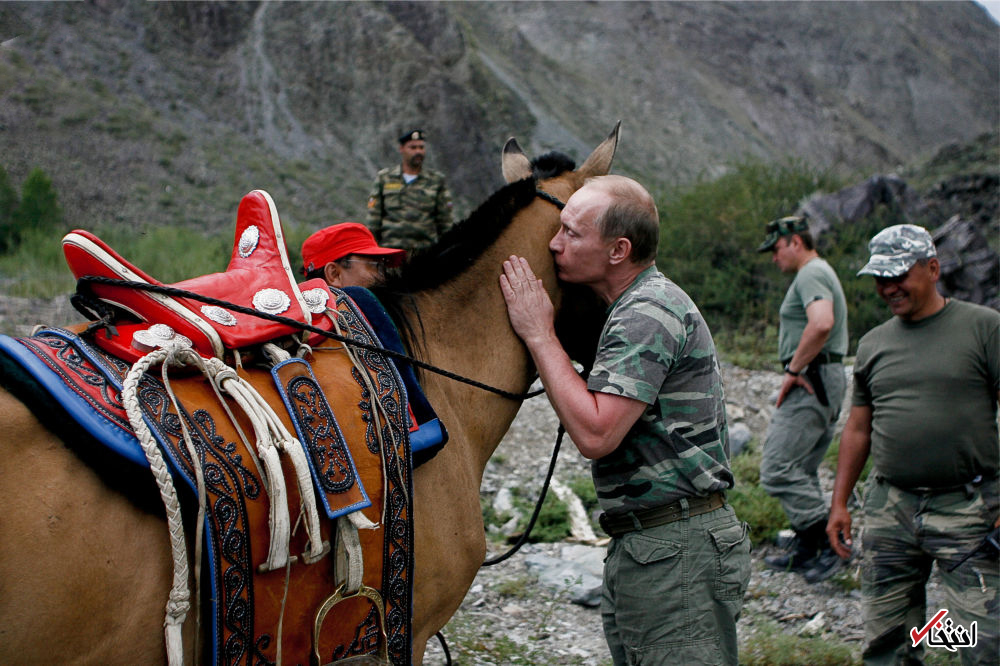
[369, 593]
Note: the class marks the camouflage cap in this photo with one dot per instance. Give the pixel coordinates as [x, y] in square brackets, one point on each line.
[895, 249]
[412, 135]
[784, 226]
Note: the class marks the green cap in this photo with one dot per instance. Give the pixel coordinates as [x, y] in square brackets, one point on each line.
[784, 226]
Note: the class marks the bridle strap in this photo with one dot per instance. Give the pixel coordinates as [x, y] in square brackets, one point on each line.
[552, 199]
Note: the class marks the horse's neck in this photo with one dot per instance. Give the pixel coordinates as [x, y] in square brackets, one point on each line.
[466, 331]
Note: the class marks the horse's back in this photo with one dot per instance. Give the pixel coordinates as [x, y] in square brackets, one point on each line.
[83, 573]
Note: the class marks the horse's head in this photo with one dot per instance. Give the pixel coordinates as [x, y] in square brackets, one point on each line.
[467, 258]
[580, 313]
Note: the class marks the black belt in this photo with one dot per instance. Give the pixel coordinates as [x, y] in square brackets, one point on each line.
[821, 358]
[968, 487]
[618, 525]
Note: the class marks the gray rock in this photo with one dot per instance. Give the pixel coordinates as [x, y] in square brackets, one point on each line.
[739, 437]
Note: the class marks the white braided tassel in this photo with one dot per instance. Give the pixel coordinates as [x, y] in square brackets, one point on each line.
[273, 436]
[278, 518]
[179, 600]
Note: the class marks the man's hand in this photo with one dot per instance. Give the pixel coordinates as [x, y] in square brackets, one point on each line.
[790, 382]
[838, 531]
[528, 305]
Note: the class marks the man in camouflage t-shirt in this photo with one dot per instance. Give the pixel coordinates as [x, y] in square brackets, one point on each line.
[652, 418]
[409, 207]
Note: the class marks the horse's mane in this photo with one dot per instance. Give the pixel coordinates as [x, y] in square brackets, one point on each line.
[465, 242]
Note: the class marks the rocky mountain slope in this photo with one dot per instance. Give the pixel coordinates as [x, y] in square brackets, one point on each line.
[167, 113]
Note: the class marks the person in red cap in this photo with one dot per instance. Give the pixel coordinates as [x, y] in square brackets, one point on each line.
[346, 255]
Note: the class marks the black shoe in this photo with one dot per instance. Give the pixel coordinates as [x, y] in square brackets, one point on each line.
[798, 558]
[823, 566]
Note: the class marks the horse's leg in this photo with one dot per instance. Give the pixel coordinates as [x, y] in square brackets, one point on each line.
[84, 575]
[450, 542]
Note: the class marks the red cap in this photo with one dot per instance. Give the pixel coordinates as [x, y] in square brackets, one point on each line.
[340, 240]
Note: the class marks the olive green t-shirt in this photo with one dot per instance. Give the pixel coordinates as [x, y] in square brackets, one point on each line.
[932, 386]
[814, 282]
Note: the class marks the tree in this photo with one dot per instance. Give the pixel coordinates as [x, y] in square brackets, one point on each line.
[8, 204]
[39, 208]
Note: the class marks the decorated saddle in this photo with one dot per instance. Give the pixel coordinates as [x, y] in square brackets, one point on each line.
[297, 447]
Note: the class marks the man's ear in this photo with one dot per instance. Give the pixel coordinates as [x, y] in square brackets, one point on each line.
[331, 273]
[620, 250]
[934, 266]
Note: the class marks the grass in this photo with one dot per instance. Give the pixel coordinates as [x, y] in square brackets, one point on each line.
[771, 645]
[750, 502]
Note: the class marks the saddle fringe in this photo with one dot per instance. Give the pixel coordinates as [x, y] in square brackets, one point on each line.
[272, 438]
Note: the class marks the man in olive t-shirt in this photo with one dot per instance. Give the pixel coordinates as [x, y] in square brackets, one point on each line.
[812, 340]
[924, 406]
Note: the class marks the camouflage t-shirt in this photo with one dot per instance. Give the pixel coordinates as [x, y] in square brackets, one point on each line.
[408, 216]
[656, 348]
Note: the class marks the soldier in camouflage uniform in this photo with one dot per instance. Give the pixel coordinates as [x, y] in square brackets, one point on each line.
[409, 206]
[652, 419]
[924, 406]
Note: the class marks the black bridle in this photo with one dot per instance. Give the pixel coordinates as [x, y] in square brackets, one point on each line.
[551, 198]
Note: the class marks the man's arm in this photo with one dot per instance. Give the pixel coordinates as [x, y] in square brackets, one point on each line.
[819, 324]
[597, 422]
[855, 445]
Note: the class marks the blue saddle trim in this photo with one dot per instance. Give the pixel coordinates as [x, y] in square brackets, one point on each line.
[431, 435]
[323, 440]
[104, 429]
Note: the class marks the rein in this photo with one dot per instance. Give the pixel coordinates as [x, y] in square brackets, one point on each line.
[288, 321]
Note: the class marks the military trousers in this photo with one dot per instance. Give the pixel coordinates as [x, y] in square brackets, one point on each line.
[796, 440]
[672, 593]
[904, 534]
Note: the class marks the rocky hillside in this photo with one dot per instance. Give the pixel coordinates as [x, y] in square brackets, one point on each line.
[167, 113]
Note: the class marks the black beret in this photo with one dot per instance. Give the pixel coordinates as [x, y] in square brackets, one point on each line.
[412, 135]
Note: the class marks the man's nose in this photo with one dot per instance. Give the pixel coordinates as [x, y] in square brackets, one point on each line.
[555, 243]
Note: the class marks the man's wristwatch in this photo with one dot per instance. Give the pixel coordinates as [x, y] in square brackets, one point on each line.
[792, 372]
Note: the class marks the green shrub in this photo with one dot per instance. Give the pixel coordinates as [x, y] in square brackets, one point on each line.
[583, 487]
[552, 524]
[761, 511]
[39, 207]
[8, 204]
[750, 502]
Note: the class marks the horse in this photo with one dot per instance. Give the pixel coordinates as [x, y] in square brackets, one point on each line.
[85, 570]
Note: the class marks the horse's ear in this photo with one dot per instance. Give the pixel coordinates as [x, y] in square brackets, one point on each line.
[599, 162]
[514, 163]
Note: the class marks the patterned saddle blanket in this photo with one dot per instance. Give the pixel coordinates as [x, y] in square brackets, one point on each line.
[353, 420]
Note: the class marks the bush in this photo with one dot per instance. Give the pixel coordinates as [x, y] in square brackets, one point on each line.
[709, 234]
[552, 524]
[39, 208]
[8, 204]
[750, 502]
